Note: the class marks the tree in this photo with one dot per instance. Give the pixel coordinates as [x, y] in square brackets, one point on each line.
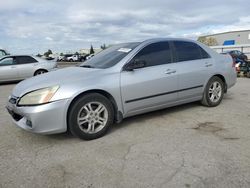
[209, 41]
[49, 51]
[91, 51]
[61, 54]
[103, 47]
[46, 54]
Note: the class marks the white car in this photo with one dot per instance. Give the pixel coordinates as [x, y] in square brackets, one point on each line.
[13, 68]
[90, 56]
[73, 58]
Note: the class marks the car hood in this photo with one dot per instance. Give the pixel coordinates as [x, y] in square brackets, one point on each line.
[58, 77]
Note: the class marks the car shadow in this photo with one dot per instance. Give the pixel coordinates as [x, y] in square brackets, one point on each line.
[154, 114]
[9, 83]
[61, 136]
[130, 120]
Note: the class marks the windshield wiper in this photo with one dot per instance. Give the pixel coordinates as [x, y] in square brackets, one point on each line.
[87, 66]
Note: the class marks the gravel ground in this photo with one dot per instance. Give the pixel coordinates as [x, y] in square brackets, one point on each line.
[185, 146]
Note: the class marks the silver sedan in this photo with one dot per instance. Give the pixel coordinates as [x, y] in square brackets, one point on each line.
[121, 81]
[23, 66]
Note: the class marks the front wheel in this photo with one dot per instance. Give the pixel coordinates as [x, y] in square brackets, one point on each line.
[213, 92]
[90, 116]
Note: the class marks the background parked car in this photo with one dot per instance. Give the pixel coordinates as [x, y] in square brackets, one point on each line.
[3, 53]
[60, 58]
[49, 58]
[242, 64]
[65, 57]
[74, 57]
[237, 54]
[23, 66]
[243, 68]
[90, 56]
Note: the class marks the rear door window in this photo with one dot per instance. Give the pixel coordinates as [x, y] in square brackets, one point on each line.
[187, 51]
[25, 60]
[204, 54]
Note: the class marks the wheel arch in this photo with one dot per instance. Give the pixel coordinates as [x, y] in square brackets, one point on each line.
[224, 81]
[39, 70]
[117, 114]
[219, 76]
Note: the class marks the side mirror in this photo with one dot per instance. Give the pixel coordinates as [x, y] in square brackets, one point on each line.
[136, 64]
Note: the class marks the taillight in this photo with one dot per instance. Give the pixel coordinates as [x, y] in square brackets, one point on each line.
[237, 69]
[234, 62]
[235, 65]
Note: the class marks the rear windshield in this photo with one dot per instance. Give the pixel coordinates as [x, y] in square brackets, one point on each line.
[110, 56]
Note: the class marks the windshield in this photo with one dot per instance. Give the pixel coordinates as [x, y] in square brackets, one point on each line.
[2, 53]
[110, 57]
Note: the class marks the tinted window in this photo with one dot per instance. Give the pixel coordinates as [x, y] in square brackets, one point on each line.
[186, 51]
[204, 54]
[25, 60]
[155, 54]
[6, 61]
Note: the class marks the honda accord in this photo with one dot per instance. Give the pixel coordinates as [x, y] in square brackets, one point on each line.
[121, 81]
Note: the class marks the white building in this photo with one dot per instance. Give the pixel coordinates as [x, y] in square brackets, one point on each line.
[232, 37]
[233, 40]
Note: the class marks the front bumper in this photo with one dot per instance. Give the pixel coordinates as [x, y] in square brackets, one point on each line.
[43, 119]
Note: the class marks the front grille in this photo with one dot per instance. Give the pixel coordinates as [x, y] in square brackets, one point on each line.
[14, 115]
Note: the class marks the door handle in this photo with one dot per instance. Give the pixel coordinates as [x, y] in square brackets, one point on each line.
[13, 67]
[169, 71]
[208, 64]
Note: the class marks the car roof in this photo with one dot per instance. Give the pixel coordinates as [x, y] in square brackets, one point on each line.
[168, 39]
[159, 40]
[18, 56]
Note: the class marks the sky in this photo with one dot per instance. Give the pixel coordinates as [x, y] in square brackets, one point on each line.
[34, 26]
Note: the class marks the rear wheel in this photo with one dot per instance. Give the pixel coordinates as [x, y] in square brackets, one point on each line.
[90, 116]
[41, 71]
[248, 74]
[214, 92]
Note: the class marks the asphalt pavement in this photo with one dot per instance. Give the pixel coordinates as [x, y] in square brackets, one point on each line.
[185, 146]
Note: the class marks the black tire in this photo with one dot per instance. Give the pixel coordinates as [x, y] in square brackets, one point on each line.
[206, 100]
[248, 74]
[76, 108]
[40, 71]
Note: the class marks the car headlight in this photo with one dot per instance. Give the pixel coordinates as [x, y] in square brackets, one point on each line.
[40, 96]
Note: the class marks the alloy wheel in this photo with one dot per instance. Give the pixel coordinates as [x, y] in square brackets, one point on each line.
[92, 117]
[215, 92]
